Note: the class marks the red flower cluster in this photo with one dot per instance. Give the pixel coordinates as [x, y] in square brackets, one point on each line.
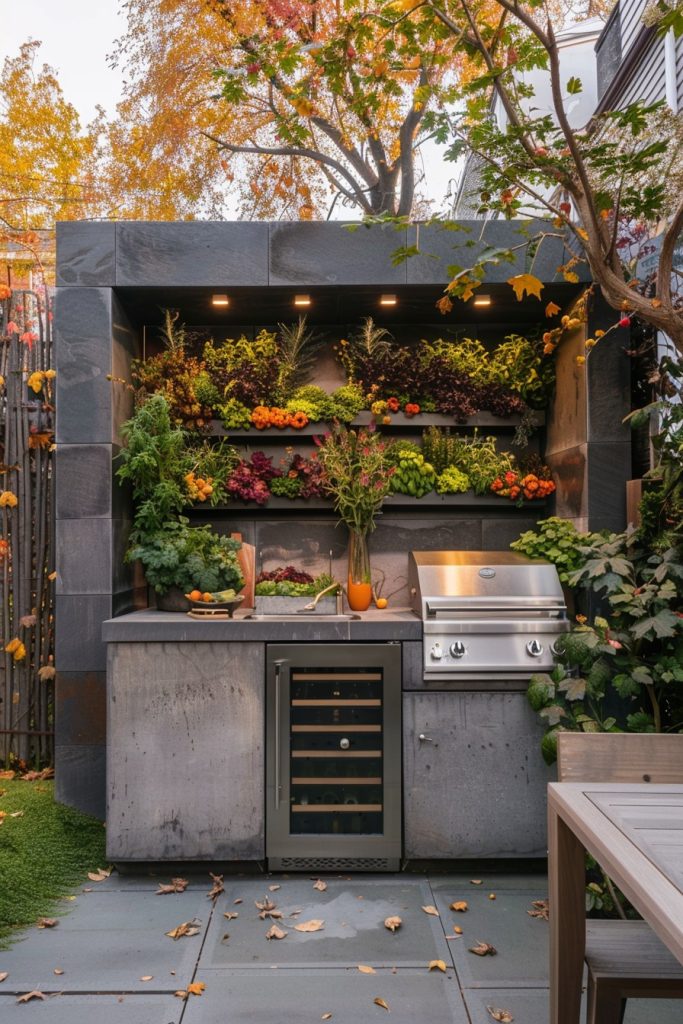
[515, 486]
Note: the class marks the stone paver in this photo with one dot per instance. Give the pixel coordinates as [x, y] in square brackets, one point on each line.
[113, 935]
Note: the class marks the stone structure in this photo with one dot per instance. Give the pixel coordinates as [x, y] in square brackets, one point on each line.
[111, 280]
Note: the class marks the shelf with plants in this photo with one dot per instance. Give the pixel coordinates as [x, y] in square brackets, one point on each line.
[297, 506]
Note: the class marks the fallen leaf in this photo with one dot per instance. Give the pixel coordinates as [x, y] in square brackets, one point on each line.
[47, 922]
[8, 774]
[100, 874]
[17, 814]
[52, 576]
[176, 885]
[309, 926]
[502, 1015]
[58, 970]
[437, 965]
[540, 909]
[380, 1002]
[196, 988]
[276, 933]
[217, 888]
[527, 284]
[483, 949]
[274, 888]
[320, 885]
[492, 895]
[181, 993]
[475, 881]
[392, 923]
[274, 915]
[28, 620]
[460, 906]
[364, 969]
[46, 673]
[552, 309]
[431, 910]
[147, 977]
[457, 929]
[47, 773]
[226, 937]
[265, 905]
[230, 915]
[186, 928]
[3, 975]
[326, 1016]
[28, 996]
[235, 902]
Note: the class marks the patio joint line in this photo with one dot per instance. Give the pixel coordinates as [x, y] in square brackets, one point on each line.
[455, 969]
[199, 956]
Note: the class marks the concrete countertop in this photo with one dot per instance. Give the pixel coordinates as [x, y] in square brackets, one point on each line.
[152, 626]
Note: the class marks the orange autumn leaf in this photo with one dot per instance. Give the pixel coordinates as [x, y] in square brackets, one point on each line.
[525, 284]
[196, 988]
[552, 309]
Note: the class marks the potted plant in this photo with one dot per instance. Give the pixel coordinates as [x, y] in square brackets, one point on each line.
[287, 589]
[358, 471]
[179, 558]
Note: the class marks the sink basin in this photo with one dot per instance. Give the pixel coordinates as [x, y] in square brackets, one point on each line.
[298, 617]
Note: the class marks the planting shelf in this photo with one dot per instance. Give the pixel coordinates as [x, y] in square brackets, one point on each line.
[468, 500]
[399, 421]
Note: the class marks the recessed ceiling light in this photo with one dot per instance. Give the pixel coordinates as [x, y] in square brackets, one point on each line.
[302, 300]
[387, 300]
[482, 300]
[220, 300]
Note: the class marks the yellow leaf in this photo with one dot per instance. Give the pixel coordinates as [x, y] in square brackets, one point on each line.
[431, 910]
[392, 923]
[196, 988]
[582, 233]
[309, 926]
[437, 965]
[527, 284]
[492, 895]
[570, 276]
[364, 969]
[457, 929]
[552, 309]
[656, 303]
[460, 906]
[501, 1015]
[380, 1002]
[100, 874]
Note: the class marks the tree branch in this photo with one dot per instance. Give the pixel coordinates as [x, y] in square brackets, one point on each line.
[666, 256]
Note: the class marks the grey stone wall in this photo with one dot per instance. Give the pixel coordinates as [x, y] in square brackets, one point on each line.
[588, 444]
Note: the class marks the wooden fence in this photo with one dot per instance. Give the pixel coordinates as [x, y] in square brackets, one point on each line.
[27, 574]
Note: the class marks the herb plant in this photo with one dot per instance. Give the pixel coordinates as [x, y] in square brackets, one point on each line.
[178, 555]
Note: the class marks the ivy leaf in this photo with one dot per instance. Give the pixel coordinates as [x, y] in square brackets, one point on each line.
[525, 284]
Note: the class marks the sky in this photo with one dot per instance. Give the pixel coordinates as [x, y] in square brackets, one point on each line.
[76, 37]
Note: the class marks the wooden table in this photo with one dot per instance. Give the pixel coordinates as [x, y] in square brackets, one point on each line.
[635, 832]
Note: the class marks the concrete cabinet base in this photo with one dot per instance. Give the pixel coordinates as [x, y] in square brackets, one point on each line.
[185, 758]
[475, 785]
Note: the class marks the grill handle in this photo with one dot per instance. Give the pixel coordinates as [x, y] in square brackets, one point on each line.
[447, 607]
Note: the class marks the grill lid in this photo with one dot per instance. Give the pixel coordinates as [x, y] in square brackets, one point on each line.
[483, 584]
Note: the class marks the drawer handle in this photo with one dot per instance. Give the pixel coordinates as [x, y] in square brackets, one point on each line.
[425, 739]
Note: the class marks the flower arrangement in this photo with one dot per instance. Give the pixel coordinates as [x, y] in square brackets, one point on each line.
[513, 486]
[263, 417]
[357, 474]
[250, 479]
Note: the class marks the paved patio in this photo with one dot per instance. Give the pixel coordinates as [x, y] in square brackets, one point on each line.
[119, 967]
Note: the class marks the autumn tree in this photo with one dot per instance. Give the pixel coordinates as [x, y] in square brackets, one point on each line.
[614, 185]
[295, 104]
[43, 154]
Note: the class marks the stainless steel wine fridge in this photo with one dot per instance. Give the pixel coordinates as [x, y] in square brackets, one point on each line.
[333, 757]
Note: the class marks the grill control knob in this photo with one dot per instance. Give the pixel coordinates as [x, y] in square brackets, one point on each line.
[436, 652]
[458, 649]
[534, 648]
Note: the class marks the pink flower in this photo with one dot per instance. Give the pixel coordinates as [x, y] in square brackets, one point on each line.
[28, 337]
[12, 328]
[615, 644]
[364, 480]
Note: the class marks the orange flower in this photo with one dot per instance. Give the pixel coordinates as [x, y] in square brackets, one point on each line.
[298, 420]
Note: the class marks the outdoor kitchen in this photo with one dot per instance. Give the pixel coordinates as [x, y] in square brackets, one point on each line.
[377, 713]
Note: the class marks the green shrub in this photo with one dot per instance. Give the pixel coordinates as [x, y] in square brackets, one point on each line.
[178, 555]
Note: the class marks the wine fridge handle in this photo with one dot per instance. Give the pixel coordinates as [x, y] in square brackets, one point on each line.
[278, 727]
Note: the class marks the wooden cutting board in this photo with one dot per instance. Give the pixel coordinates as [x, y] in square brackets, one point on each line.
[246, 556]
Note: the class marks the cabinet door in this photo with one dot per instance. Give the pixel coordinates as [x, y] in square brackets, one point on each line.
[474, 778]
[185, 751]
[334, 758]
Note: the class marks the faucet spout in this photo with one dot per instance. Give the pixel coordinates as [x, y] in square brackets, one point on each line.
[336, 587]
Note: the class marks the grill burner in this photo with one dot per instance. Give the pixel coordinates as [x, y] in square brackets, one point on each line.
[489, 617]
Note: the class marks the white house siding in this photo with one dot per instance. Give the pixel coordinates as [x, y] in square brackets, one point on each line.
[631, 17]
[649, 80]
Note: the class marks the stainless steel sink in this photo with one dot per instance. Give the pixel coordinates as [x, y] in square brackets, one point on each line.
[299, 616]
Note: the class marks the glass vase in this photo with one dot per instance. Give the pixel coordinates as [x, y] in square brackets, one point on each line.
[359, 585]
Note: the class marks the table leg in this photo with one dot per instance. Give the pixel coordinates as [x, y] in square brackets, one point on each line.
[566, 886]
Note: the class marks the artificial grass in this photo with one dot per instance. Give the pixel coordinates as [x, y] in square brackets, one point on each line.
[42, 854]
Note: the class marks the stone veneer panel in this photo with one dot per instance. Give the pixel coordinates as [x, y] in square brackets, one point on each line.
[309, 254]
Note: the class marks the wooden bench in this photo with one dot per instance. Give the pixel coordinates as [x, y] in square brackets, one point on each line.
[625, 959]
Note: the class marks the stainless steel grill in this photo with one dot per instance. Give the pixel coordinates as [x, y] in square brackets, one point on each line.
[489, 617]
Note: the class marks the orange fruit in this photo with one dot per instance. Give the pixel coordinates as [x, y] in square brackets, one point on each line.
[381, 602]
[207, 597]
[195, 595]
